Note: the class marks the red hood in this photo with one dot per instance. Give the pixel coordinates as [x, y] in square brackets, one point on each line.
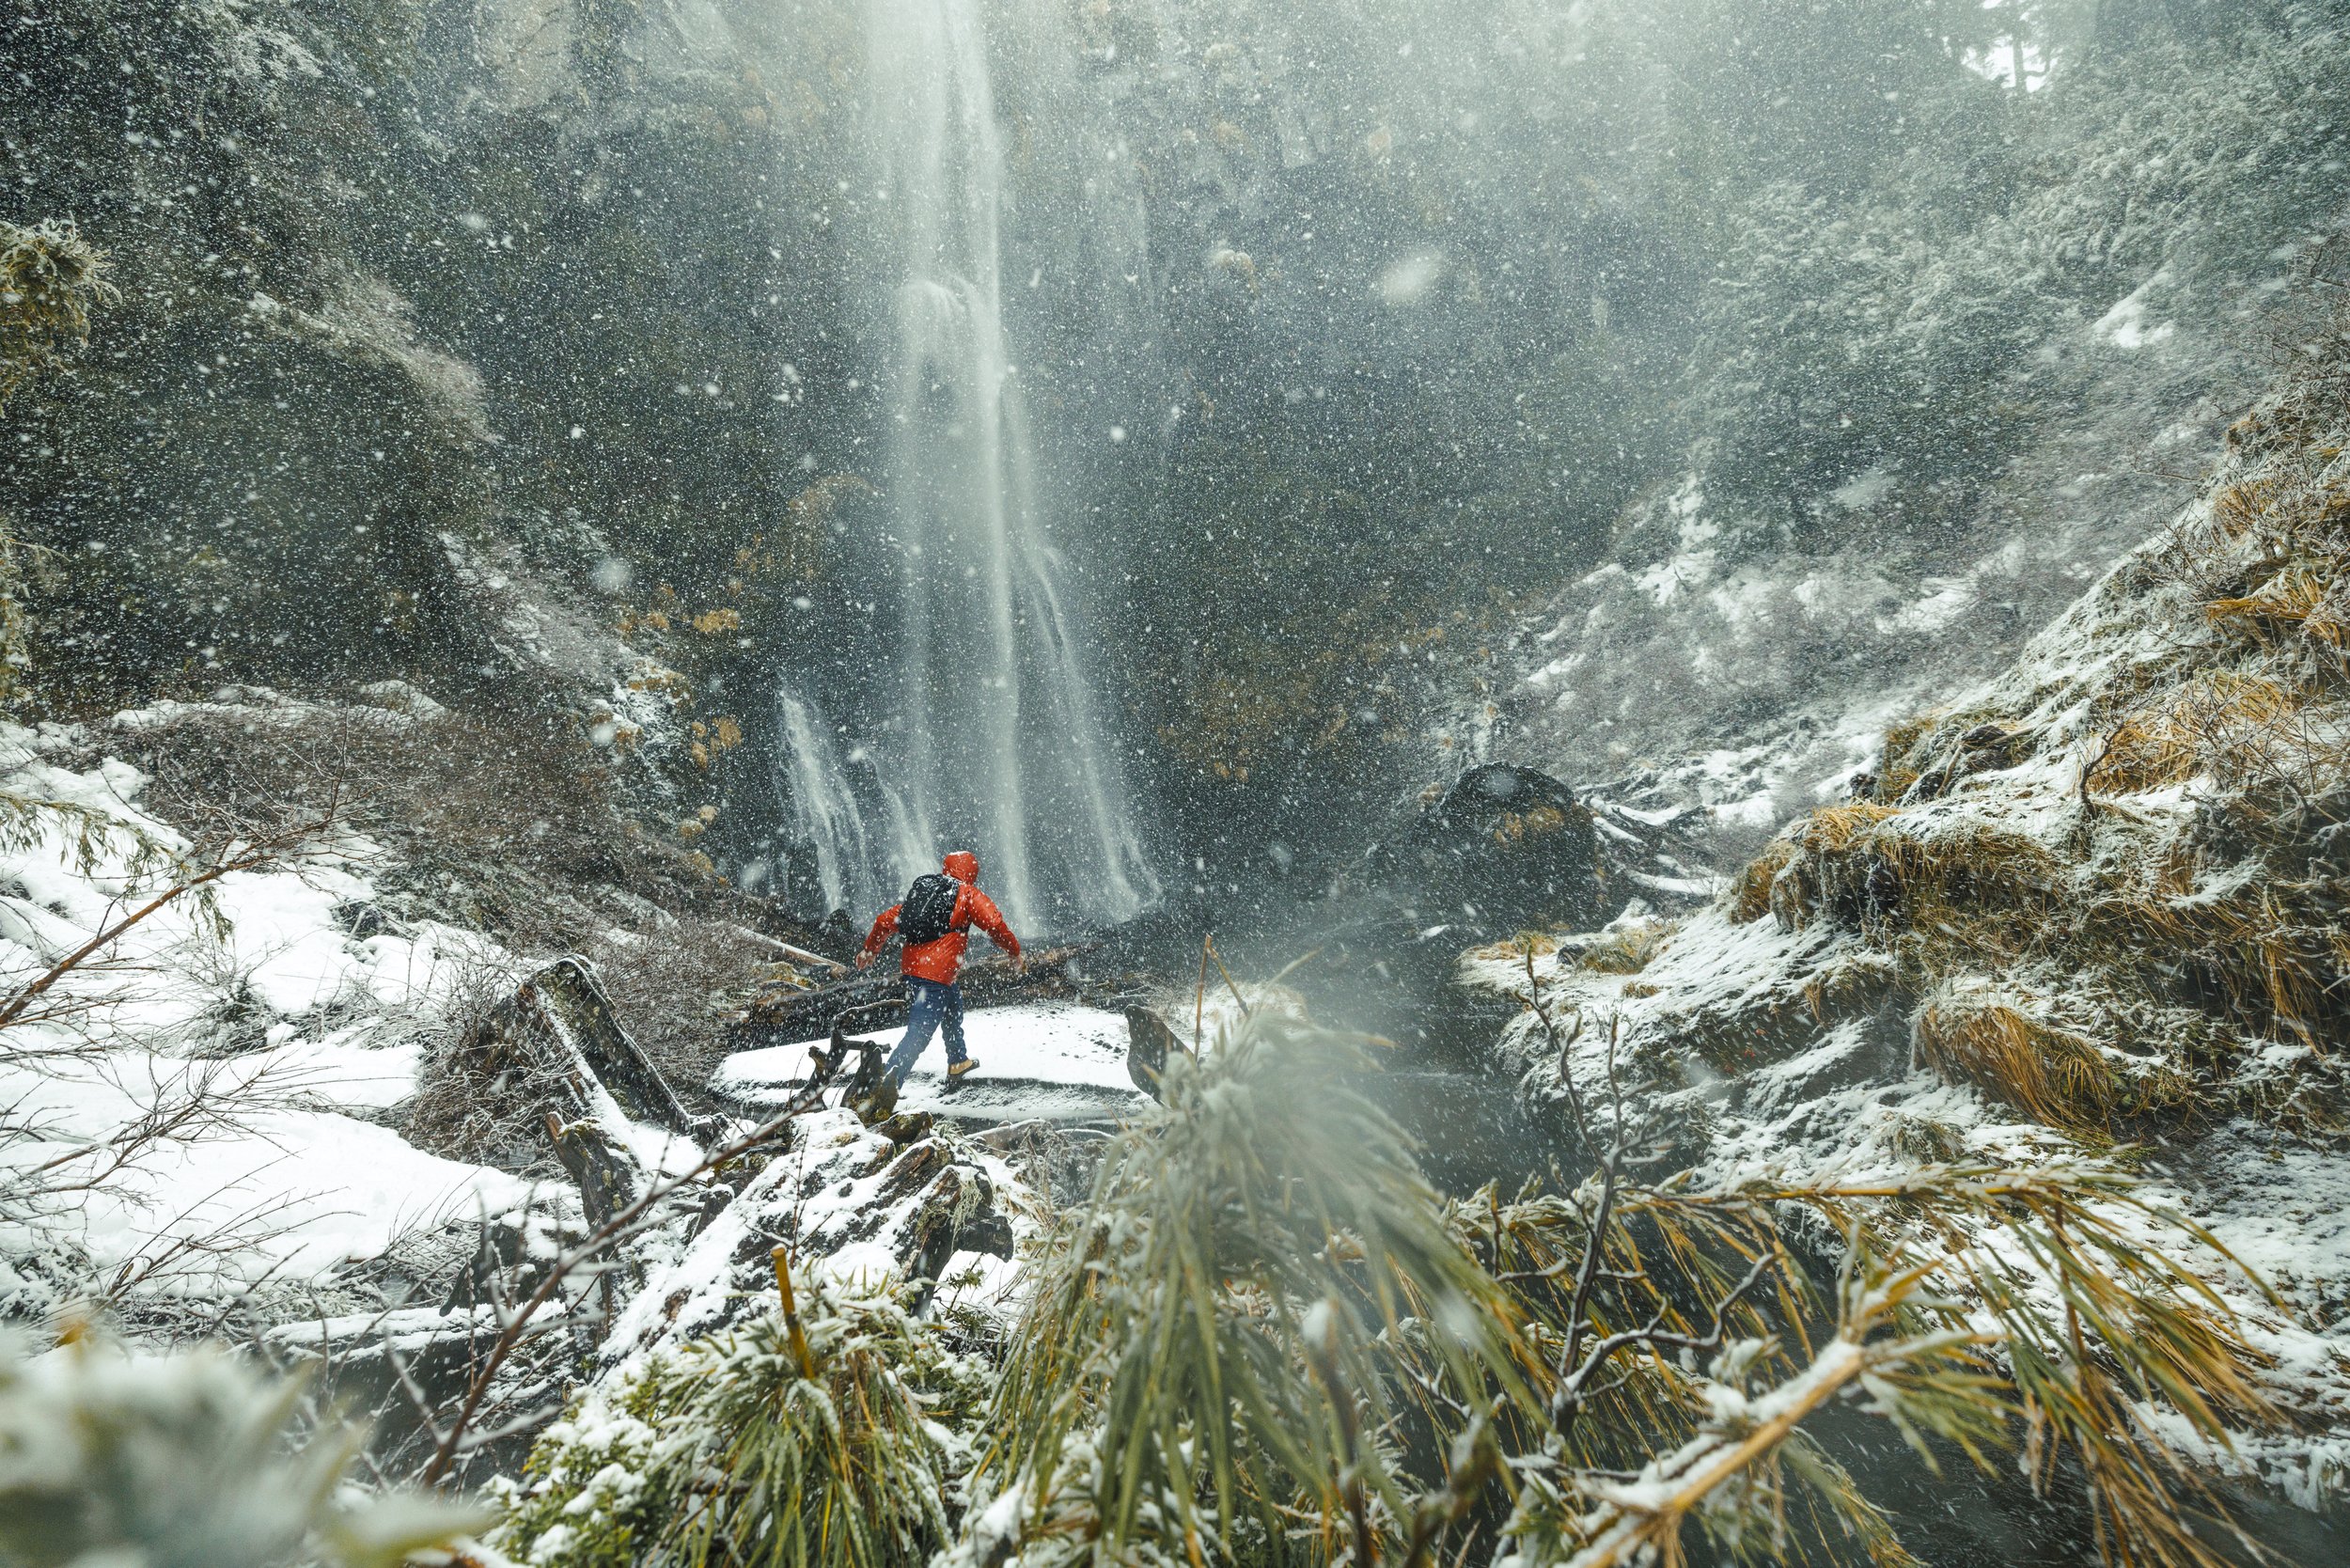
[964, 867]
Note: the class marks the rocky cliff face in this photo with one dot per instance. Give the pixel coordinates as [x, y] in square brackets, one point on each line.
[446, 336]
[1398, 408]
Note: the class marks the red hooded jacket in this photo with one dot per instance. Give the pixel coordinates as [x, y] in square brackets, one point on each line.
[942, 959]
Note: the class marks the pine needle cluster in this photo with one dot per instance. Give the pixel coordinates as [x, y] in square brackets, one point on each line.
[819, 1438]
[1212, 1363]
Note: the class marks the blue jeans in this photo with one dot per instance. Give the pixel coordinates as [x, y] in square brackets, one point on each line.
[933, 1004]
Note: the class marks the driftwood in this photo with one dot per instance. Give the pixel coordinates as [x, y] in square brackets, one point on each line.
[559, 1028]
[957, 1215]
[568, 994]
[610, 1178]
[559, 1020]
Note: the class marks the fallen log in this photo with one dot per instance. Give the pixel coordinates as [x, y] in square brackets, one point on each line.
[781, 1015]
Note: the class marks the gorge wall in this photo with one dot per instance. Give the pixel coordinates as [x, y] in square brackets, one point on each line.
[1586, 386]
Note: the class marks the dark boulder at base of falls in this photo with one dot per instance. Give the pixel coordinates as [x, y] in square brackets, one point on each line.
[1503, 847]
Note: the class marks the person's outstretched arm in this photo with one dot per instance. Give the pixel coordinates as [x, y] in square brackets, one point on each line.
[989, 919]
[884, 927]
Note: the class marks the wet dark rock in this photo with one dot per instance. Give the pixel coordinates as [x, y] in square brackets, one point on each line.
[1507, 846]
[1148, 1044]
[910, 1170]
[609, 1176]
[907, 1127]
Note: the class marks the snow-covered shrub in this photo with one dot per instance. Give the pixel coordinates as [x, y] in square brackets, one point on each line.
[1971, 1034]
[50, 277]
[190, 1460]
[674, 990]
[1265, 1339]
[1898, 330]
[735, 1452]
[1203, 1320]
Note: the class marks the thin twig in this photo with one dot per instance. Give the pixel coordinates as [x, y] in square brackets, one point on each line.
[260, 854]
[1229, 984]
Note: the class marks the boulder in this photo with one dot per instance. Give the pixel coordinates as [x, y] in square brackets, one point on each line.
[1507, 846]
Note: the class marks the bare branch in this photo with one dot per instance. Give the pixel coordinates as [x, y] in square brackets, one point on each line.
[256, 854]
[619, 1228]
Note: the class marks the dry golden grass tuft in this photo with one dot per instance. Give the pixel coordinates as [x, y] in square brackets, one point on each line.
[1750, 891]
[2239, 509]
[2264, 959]
[1858, 866]
[1627, 950]
[2298, 598]
[2055, 1075]
[1833, 829]
[2238, 729]
[2147, 750]
[1897, 756]
[1968, 867]
[1541, 944]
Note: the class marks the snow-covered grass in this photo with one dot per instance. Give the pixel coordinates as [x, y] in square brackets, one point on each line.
[2075, 917]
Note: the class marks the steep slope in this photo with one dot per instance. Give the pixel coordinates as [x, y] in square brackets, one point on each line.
[2094, 911]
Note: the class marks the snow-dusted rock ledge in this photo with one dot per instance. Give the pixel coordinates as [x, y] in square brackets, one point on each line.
[1049, 1060]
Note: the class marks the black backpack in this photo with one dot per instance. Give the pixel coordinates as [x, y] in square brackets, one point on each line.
[928, 912]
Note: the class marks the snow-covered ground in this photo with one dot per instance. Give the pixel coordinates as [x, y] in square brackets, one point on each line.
[210, 1104]
[1834, 1095]
[196, 1109]
[1051, 1060]
[846, 1203]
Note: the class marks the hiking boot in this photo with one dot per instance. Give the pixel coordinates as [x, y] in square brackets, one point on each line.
[958, 1069]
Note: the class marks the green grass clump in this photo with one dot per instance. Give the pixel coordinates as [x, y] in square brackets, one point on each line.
[730, 1453]
[1266, 1341]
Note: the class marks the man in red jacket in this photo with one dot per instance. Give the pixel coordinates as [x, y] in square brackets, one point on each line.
[930, 967]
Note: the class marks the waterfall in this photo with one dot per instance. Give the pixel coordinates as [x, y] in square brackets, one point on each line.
[825, 809]
[979, 712]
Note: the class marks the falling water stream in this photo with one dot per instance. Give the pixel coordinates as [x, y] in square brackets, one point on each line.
[978, 721]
